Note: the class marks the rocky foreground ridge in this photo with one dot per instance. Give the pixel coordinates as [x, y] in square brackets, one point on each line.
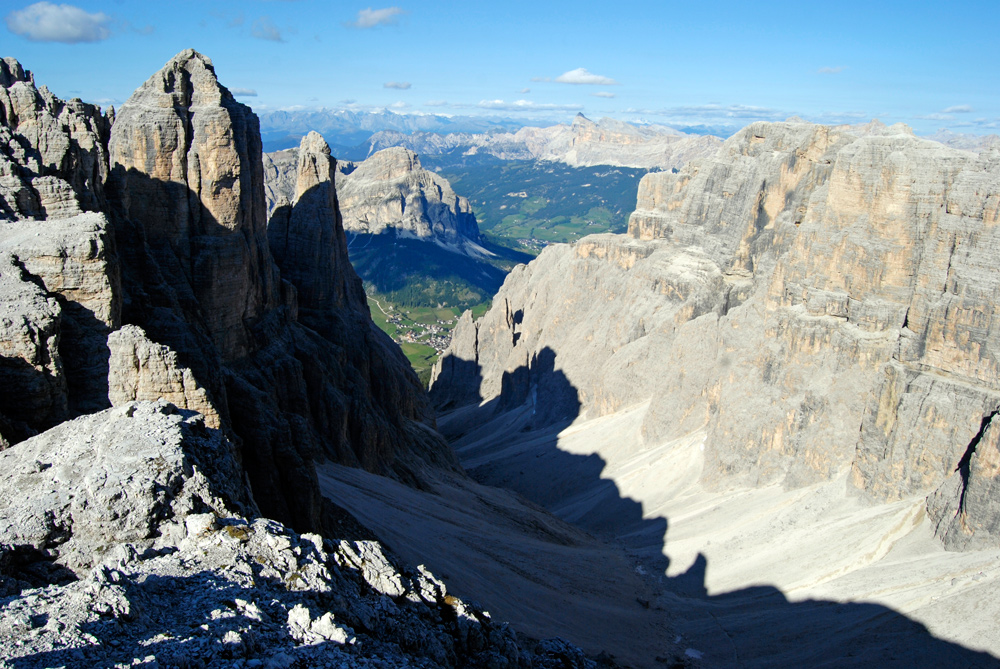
[390, 192]
[807, 315]
[173, 370]
[582, 143]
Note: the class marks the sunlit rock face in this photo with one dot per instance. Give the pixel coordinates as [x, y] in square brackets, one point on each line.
[818, 299]
[187, 157]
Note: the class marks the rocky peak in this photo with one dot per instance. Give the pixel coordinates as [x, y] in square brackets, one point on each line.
[11, 71]
[307, 237]
[315, 166]
[186, 160]
[63, 173]
[391, 191]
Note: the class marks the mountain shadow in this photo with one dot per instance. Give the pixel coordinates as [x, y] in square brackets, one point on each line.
[412, 272]
[512, 441]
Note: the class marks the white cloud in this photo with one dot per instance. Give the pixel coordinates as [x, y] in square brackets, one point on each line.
[603, 94]
[399, 105]
[524, 105]
[47, 22]
[582, 76]
[399, 85]
[831, 70]
[243, 92]
[370, 18]
[957, 109]
[525, 91]
[264, 28]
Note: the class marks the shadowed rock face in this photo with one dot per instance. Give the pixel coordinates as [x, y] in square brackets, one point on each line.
[292, 370]
[307, 237]
[186, 155]
[820, 299]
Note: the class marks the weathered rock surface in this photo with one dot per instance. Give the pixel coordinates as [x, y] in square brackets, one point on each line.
[128, 538]
[74, 262]
[817, 298]
[583, 143]
[53, 154]
[140, 369]
[184, 155]
[34, 389]
[390, 191]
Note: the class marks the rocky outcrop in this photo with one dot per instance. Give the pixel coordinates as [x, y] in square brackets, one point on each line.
[388, 191]
[127, 536]
[184, 157]
[53, 154]
[392, 190]
[815, 298]
[34, 392]
[582, 143]
[140, 369]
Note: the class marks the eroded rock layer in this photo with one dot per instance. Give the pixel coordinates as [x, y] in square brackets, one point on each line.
[819, 299]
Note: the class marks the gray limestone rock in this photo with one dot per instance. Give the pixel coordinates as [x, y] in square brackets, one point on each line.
[74, 261]
[185, 159]
[391, 190]
[128, 539]
[140, 369]
[125, 475]
[53, 153]
[33, 394]
[819, 299]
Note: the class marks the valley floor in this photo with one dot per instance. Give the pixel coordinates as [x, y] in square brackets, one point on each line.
[764, 577]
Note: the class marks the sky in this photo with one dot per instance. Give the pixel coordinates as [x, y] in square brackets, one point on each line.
[932, 65]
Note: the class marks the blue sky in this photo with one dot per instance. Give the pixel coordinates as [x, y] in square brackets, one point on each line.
[929, 64]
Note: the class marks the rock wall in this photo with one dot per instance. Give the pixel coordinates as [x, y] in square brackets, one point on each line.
[281, 357]
[390, 191]
[817, 298]
[184, 156]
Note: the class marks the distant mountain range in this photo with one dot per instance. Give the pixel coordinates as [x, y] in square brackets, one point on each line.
[346, 129]
[583, 143]
[356, 135]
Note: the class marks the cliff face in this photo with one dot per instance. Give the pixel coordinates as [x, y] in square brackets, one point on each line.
[388, 191]
[817, 299]
[184, 155]
[281, 356]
